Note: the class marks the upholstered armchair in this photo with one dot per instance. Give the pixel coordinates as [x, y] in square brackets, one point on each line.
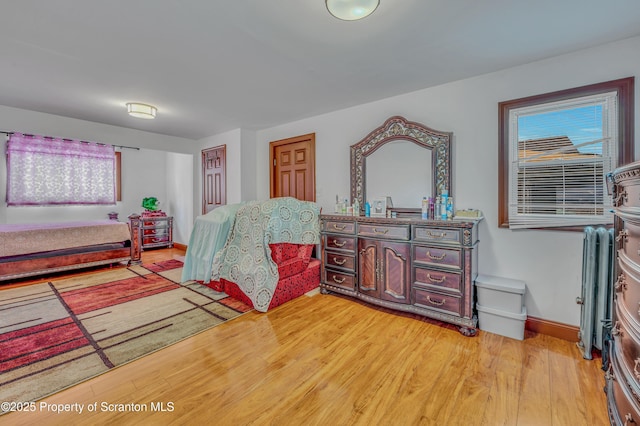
[298, 274]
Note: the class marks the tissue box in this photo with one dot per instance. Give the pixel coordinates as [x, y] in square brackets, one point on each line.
[500, 293]
[503, 323]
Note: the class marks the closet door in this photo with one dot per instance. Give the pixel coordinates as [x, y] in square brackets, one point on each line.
[214, 178]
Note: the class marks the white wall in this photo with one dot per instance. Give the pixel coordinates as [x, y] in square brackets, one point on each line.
[157, 169]
[179, 202]
[548, 261]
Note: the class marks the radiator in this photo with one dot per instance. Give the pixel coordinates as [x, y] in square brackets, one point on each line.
[597, 281]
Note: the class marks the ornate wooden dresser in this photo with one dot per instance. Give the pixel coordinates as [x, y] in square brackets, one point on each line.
[427, 267]
[623, 364]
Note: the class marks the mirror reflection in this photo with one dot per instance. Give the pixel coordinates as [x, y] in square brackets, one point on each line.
[402, 170]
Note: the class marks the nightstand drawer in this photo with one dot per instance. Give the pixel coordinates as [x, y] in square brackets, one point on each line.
[155, 240]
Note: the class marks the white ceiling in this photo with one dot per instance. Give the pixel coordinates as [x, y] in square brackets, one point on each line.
[215, 65]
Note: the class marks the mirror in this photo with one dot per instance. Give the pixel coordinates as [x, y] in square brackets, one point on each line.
[403, 160]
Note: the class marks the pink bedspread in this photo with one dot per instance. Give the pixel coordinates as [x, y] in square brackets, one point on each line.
[25, 238]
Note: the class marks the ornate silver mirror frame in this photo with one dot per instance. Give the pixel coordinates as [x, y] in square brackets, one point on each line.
[398, 128]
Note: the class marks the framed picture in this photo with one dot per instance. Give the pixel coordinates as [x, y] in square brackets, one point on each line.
[379, 207]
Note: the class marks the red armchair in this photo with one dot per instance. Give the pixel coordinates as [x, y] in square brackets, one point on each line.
[298, 274]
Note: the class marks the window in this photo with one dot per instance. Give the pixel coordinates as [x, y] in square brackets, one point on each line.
[51, 171]
[556, 150]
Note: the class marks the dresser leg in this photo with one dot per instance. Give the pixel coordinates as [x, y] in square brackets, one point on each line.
[467, 331]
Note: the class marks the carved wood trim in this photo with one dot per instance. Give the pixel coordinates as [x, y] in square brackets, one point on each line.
[398, 128]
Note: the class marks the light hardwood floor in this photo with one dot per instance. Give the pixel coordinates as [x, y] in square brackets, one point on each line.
[328, 360]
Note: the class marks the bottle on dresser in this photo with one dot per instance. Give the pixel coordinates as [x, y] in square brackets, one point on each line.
[425, 208]
[443, 204]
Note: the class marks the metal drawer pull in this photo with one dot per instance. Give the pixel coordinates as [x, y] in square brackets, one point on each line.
[380, 232]
[430, 256]
[621, 283]
[628, 419]
[435, 302]
[337, 244]
[335, 226]
[435, 280]
[337, 262]
[620, 196]
[615, 331]
[432, 235]
[335, 279]
[622, 234]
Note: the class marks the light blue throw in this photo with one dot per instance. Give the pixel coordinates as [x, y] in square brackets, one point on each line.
[210, 232]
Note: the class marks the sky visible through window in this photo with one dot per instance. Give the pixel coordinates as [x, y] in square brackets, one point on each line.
[580, 124]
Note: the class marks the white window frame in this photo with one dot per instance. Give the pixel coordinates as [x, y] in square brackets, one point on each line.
[521, 209]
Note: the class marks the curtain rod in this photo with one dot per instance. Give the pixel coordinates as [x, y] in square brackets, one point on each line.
[52, 137]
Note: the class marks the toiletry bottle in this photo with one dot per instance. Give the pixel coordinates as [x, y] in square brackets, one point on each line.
[437, 211]
[367, 209]
[344, 206]
[432, 208]
[443, 205]
[356, 208]
[449, 208]
[425, 208]
[338, 208]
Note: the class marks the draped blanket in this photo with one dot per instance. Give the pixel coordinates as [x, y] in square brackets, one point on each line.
[246, 257]
[209, 235]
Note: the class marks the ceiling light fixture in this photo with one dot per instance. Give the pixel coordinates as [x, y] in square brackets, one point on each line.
[351, 10]
[138, 110]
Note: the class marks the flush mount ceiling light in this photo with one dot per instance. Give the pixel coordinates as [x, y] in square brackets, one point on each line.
[141, 110]
[351, 10]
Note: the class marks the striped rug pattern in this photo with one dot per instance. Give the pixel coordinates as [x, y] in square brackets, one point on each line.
[58, 333]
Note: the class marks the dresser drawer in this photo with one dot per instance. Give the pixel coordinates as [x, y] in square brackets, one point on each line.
[437, 256]
[627, 341]
[630, 241]
[395, 232]
[625, 396]
[338, 226]
[627, 288]
[442, 302]
[436, 279]
[629, 195]
[339, 260]
[424, 233]
[339, 279]
[339, 242]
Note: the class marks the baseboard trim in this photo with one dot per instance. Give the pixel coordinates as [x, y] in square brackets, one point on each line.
[180, 246]
[553, 329]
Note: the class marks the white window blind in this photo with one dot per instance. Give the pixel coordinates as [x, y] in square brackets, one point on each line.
[560, 154]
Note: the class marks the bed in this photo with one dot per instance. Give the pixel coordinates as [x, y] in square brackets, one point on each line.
[34, 249]
[258, 251]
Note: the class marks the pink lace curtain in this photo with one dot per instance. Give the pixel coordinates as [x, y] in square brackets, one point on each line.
[51, 171]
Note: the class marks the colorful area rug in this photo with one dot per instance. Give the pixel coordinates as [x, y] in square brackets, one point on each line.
[58, 333]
